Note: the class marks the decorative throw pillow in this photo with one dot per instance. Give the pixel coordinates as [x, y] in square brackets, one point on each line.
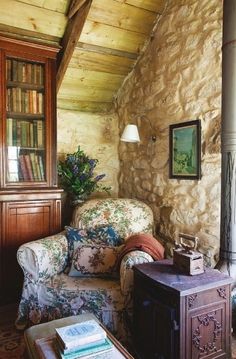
[106, 234]
[94, 260]
[93, 251]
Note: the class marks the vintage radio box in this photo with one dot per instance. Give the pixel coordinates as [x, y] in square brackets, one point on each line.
[186, 259]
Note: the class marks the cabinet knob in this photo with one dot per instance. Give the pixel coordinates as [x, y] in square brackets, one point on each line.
[146, 303]
[175, 325]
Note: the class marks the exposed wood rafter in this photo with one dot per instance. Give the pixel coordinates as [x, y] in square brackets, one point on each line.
[75, 6]
[77, 15]
[106, 50]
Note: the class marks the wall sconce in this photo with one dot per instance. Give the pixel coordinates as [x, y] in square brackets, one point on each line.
[130, 134]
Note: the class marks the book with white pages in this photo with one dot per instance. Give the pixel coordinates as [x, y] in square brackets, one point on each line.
[78, 334]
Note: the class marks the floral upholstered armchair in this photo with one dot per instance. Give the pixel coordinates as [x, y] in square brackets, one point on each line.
[76, 271]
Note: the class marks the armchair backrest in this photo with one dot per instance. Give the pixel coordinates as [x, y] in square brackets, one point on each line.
[127, 216]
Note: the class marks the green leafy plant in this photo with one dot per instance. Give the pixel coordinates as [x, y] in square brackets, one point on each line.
[76, 175]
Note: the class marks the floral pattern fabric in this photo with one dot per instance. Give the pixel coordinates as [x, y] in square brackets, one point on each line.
[126, 216]
[49, 293]
[94, 259]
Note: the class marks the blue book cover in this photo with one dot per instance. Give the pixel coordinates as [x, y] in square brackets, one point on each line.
[83, 346]
[106, 347]
[80, 333]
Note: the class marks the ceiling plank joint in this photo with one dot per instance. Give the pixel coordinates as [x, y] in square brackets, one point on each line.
[71, 36]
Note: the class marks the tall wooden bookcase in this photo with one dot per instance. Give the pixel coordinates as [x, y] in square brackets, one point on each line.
[30, 202]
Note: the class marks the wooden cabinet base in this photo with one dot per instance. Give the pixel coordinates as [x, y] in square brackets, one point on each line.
[25, 216]
[179, 316]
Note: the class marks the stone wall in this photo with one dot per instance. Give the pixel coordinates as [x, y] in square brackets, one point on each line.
[176, 80]
[97, 135]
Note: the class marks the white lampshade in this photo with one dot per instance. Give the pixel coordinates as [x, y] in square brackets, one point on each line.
[130, 134]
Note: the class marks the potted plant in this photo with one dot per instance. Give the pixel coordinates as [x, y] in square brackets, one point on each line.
[76, 176]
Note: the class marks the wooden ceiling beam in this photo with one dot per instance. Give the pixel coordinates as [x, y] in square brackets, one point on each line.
[75, 6]
[106, 50]
[71, 36]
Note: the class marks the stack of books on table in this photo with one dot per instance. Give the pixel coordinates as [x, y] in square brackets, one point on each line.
[83, 340]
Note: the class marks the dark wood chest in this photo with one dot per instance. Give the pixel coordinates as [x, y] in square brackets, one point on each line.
[180, 316]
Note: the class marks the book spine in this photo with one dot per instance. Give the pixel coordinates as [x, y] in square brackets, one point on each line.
[31, 125]
[17, 132]
[41, 168]
[81, 353]
[34, 101]
[85, 346]
[40, 133]
[9, 100]
[32, 162]
[19, 71]
[23, 168]
[10, 131]
[14, 133]
[39, 175]
[29, 167]
[82, 341]
[14, 70]
[40, 103]
[23, 125]
[8, 70]
[14, 100]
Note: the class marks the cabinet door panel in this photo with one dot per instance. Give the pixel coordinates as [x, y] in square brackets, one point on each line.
[156, 328]
[208, 332]
[166, 329]
[144, 324]
[23, 222]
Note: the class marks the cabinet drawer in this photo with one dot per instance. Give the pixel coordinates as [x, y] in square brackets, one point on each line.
[207, 297]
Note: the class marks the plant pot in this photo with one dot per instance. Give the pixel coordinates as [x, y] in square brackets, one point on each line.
[77, 202]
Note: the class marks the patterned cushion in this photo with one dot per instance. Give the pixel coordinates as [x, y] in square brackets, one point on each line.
[106, 234]
[76, 234]
[94, 259]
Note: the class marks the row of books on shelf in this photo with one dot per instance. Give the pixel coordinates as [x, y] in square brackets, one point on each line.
[24, 101]
[84, 340]
[21, 71]
[30, 167]
[24, 133]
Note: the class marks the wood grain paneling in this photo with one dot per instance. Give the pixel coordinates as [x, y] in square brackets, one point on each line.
[108, 36]
[33, 18]
[58, 5]
[123, 16]
[152, 5]
[84, 106]
[110, 42]
[100, 62]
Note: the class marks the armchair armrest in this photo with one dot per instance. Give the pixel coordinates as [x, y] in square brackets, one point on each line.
[43, 258]
[126, 269]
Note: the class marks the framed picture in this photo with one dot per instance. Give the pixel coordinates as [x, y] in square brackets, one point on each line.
[185, 150]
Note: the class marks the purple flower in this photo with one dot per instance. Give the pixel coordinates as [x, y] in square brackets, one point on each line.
[99, 177]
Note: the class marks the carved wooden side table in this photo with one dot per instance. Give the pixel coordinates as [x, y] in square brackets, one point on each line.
[180, 316]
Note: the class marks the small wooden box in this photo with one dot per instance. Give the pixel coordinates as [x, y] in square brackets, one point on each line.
[186, 258]
[188, 263]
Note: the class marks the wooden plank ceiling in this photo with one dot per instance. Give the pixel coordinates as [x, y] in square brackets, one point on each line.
[101, 41]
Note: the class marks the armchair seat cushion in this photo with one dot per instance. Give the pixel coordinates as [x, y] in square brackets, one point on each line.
[85, 294]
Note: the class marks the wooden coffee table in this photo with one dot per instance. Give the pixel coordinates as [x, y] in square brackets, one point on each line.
[48, 329]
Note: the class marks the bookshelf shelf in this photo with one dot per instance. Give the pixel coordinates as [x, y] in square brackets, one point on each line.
[22, 116]
[27, 86]
[30, 202]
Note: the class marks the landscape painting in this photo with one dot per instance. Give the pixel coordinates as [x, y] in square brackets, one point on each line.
[185, 150]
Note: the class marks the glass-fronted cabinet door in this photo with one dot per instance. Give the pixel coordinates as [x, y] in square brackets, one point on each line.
[25, 121]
